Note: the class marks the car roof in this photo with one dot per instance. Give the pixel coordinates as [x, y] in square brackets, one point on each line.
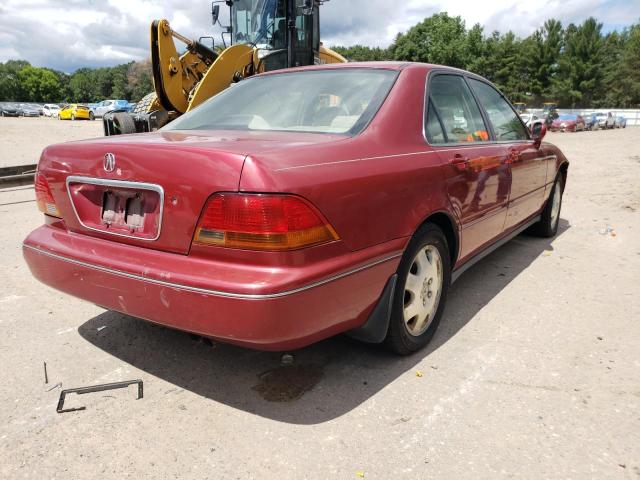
[386, 65]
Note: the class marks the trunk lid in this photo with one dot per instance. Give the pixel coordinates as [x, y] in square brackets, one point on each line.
[149, 190]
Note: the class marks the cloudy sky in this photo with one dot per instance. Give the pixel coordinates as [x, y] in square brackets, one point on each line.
[69, 34]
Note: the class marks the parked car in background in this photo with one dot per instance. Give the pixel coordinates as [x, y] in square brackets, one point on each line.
[9, 110]
[606, 120]
[529, 119]
[51, 110]
[568, 122]
[131, 106]
[591, 121]
[107, 106]
[277, 234]
[29, 110]
[549, 116]
[75, 111]
[621, 122]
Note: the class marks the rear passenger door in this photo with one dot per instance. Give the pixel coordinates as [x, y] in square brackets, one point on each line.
[476, 173]
[526, 162]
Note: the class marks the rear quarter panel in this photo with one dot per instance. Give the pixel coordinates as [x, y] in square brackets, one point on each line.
[377, 186]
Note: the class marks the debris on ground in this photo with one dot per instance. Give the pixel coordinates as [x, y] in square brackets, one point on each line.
[607, 230]
[92, 389]
[286, 359]
[419, 373]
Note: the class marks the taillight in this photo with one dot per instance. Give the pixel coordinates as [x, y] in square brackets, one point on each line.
[44, 198]
[262, 222]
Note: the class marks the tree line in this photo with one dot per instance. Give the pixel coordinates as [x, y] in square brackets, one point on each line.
[22, 82]
[576, 66]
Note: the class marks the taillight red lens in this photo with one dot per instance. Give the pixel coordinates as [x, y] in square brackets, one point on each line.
[44, 198]
[262, 222]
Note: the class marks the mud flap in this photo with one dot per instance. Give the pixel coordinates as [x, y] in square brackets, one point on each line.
[375, 328]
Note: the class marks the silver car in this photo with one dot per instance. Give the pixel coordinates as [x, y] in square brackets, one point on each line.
[606, 120]
[29, 110]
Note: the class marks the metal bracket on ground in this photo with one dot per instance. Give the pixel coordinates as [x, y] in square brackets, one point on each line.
[95, 388]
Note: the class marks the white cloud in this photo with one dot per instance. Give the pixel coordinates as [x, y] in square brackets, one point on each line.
[76, 33]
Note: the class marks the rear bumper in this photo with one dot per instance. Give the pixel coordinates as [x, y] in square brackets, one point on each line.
[284, 318]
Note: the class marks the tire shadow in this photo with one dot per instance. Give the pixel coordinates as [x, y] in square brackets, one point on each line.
[325, 380]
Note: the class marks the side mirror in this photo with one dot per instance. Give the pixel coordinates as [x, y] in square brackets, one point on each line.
[538, 131]
[215, 13]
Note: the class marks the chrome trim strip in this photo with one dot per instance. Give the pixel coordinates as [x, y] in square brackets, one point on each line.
[122, 184]
[474, 145]
[206, 291]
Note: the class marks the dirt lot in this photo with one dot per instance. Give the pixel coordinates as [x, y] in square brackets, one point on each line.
[534, 373]
[23, 139]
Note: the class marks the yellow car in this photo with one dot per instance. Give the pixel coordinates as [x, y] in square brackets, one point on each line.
[75, 111]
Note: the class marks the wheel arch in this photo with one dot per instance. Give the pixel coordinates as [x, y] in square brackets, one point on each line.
[449, 227]
[564, 170]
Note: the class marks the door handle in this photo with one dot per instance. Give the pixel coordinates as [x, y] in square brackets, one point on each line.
[460, 162]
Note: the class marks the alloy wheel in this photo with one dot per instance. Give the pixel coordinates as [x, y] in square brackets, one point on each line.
[422, 290]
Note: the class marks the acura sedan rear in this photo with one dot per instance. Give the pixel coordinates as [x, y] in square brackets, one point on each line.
[297, 205]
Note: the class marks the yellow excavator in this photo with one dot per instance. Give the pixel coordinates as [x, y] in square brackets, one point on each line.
[263, 35]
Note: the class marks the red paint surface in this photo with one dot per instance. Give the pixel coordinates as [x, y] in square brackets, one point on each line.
[375, 189]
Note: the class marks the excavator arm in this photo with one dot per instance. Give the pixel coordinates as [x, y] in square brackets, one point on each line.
[176, 76]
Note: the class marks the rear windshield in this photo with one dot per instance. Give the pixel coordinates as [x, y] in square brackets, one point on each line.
[325, 101]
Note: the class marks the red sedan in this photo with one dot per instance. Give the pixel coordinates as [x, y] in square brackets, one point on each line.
[568, 123]
[298, 205]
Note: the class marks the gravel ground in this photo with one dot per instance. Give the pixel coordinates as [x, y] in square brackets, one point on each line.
[23, 139]
[534, 373]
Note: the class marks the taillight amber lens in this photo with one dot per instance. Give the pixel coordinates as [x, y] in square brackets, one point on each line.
[262, 222]
[44, 198]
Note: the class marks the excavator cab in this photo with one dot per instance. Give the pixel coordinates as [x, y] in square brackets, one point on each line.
[265, 35]
[281, 31]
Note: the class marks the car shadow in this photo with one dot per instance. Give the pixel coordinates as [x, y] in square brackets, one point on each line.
[323, 381]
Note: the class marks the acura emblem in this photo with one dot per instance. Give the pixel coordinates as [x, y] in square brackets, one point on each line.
[109, 162]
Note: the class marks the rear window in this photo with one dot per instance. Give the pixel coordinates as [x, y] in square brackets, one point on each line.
[341, 101]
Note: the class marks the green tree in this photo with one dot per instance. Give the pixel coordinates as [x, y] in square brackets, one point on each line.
[82, 87]
[10, 87]
[361, 53]
[39, 84]
[438, 39]
[580, 67]
[542, 52]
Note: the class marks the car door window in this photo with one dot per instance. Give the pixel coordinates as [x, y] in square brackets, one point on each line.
[505, 121]
[456, 109]
[433, 127]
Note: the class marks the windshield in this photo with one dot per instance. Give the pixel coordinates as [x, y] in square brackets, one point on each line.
[325, 101]
[567, 117]
[258, 21]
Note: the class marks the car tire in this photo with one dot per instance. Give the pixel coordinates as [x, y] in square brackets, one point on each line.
[424, 275]
[124, 123]
[91, 116]
[145, 104]
[548, 225]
